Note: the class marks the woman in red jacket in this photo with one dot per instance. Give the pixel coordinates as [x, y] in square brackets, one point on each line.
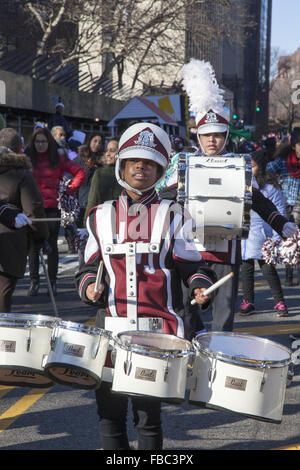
[49, 164]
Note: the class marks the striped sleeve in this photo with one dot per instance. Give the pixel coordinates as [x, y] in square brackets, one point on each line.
[87, 272]
[268, 211]
[7, 215]
[203, 278]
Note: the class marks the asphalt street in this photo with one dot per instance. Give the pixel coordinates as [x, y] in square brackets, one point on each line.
[63, 418]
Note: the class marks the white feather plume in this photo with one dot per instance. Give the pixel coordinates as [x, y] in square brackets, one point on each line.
[200, 84]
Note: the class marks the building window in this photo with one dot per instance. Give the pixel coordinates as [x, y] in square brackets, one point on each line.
[7, 43]
[9, 6]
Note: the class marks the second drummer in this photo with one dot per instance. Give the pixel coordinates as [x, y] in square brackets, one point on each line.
[146, 251]
[212, 121]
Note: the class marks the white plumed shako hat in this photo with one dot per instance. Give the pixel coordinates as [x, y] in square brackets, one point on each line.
[147, 141]
[205, 97]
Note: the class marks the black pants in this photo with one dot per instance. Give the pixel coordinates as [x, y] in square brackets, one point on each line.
[224, 303]
[112, 410]
[222, 307]
[7, 286]
[53, 255]
[269, 273]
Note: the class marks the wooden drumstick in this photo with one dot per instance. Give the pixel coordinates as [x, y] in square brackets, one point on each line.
[215, 286]
[53, 219]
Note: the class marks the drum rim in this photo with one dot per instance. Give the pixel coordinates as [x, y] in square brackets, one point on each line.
[83, 328]
[151, 351]
[26, 320]
[240, 360]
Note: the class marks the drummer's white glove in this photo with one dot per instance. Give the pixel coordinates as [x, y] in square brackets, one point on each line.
[289, 229]
[21, 220]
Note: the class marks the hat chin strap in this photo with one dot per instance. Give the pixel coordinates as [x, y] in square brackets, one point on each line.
[130, 188]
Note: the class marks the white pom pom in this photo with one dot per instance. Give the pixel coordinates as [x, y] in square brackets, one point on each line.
[283, 252]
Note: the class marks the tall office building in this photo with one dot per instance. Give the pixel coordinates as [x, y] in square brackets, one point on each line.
[241, 66]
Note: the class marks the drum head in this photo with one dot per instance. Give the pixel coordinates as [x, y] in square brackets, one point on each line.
[73, 376]
[23, 320]
[243, 349]
[19, 376]
[82, 328]
[158, 343]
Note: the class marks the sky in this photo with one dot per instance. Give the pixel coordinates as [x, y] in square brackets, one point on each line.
[285, 32]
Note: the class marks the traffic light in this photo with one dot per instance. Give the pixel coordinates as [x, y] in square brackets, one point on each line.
[257, 106]
[234, 116]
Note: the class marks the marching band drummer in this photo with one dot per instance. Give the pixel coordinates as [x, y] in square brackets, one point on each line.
[212, 121]
[146, 251]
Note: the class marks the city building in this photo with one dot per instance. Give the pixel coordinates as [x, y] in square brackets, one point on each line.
[31, 85]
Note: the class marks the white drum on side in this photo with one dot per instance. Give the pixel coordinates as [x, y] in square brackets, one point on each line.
[240, 373]
[151, 364]
[217, 191]
[77, 355]
[24, 346]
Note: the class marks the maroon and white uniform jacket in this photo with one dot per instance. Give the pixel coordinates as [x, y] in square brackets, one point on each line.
[146, 253]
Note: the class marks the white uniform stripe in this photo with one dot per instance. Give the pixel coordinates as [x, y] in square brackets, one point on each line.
[107, 263]
[162, 257]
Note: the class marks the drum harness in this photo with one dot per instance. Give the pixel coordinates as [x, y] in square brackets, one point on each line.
[131, 250]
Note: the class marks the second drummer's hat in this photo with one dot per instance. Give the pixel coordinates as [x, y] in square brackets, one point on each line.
[205, 97]
[212, 121]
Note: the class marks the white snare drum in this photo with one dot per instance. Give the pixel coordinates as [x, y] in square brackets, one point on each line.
[77, 355]
[151, 364]
[217, 191]
[240, 373]
[24, 345]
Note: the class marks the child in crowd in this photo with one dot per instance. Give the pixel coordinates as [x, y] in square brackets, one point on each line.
[259, 232]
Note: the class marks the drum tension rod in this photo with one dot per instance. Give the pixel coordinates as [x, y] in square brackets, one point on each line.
[263, 380]
[128, 363]
[166, 372]
[28, 341]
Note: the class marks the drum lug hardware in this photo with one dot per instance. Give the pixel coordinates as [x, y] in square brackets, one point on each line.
[166, 371]
[212, 370]
[290, 374]
[52, 343]
[44, 360]
[127, 364]
[53, 339]
[96, 349]
[263, 380]
[28, 342]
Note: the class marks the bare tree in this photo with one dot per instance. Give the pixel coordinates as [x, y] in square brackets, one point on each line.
[283, 110]
[143, 35]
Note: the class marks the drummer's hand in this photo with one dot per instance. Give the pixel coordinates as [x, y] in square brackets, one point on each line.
[21, 220]
[91, 294]
[289, 229]
[199, 297]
